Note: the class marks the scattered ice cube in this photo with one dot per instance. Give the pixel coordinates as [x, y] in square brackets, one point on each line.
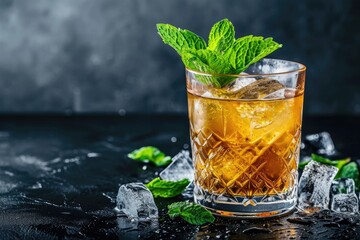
[180, 168]
[136, 201]
[314, 185]
[343, 195]
[343, 185]
[323, 142]
[345, 203]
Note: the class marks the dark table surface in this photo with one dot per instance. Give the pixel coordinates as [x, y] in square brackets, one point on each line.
[59, 176]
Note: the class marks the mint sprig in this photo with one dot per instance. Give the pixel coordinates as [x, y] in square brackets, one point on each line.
[191, 213]
[223, 55]
[167, 189]
[221, 36]
[150, 154]
[180, 39]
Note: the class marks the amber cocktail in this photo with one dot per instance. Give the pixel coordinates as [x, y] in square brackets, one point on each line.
[246, 139]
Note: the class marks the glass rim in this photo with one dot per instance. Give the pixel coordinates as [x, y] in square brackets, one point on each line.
[302, 68]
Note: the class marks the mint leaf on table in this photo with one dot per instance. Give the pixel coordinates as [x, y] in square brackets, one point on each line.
[167, 189]
[223, 55]
[191, 213]
[150, 154]
[350, 170]
[222, 36]
[180, 39]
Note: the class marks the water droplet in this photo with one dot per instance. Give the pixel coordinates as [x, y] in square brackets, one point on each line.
[173, 139]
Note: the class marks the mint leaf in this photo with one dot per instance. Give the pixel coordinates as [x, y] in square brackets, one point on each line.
[210, 62]
[250, 49]
[179, 39]
[167, 189]
[190, 212]
[350, 170]
[150, 154]
[222, 36]
[223, 56]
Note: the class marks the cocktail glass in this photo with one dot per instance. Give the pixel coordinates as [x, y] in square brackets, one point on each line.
[246, 137]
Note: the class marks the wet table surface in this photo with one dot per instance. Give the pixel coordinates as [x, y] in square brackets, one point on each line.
[59, 176]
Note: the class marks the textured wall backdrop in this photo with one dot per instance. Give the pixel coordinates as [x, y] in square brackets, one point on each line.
[105, 55]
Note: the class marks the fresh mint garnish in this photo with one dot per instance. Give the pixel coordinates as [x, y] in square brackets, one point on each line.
[223, 55]
[150, 154]
[222, 36]
[167, 189]
[190, 212]
[180, 39]
[208, 61]
[250, 49]
[350, 170]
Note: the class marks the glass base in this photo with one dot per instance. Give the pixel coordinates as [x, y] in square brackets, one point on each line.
[240, 207]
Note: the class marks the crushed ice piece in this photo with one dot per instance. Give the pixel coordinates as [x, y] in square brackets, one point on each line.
[343, 195]
[180, 168]
[136, 201]
[343, 185]
[345, 203]
[314, 185]
[323, 142]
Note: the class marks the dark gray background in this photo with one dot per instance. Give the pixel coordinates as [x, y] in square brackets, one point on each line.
[105, 55]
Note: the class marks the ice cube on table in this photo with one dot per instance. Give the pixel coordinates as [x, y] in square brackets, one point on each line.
[343, 195]
[343, 185]
[345, 203]
[180, 168]
[314, 185]
[136, 201]
[323, 142]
